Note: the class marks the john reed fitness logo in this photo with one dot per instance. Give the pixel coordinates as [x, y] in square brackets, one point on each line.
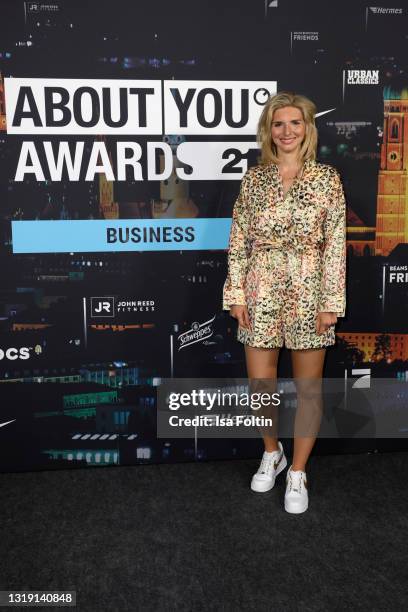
[110, 306]
[102, 306]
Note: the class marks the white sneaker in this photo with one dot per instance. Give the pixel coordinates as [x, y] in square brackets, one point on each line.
[271, 465]
[296, 496]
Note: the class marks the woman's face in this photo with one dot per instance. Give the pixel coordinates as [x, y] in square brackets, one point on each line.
[288, 129]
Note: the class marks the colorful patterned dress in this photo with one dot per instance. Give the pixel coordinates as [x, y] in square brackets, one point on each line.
[287, 255]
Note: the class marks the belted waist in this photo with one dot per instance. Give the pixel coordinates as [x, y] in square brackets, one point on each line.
[286, 245]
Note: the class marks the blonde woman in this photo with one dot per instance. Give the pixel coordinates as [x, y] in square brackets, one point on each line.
[286, 274]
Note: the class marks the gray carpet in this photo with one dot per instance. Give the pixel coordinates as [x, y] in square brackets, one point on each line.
[194, 537]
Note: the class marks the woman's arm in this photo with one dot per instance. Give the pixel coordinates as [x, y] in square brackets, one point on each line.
[233, 291]
[333, 284]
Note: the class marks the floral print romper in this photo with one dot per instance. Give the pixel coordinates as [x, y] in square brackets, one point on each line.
[287, 255]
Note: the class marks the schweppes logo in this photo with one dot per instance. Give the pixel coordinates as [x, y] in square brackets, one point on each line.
[197, 333]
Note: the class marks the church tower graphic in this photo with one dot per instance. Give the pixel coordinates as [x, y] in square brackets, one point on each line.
[392, 195]
[3, 124]
[108, 208]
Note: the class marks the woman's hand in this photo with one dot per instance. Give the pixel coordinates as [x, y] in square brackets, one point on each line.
[240, 313]
[324, 320]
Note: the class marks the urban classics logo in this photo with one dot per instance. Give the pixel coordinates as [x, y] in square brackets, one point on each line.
[19, 353]
[102, 306]
[362, 77]
[197, 333]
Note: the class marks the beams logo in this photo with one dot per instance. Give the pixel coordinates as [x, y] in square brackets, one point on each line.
[397, 274]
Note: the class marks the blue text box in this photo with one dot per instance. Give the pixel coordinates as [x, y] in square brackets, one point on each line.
[75, 236]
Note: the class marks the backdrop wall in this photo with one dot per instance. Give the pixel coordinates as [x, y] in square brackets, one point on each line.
[125, 129]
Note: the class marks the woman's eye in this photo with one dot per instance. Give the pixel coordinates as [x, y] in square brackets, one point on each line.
[295, 122]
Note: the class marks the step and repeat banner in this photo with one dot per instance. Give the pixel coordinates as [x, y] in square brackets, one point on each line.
[125, 129]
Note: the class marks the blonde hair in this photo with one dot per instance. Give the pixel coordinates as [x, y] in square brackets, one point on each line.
[308, 109]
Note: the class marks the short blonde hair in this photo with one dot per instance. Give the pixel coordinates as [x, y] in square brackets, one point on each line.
[280, 100]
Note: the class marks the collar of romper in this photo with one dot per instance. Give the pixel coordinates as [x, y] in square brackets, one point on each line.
[285, 243]
[306, 165]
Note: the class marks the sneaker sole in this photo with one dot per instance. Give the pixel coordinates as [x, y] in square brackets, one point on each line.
[259, 488]
[296, 509]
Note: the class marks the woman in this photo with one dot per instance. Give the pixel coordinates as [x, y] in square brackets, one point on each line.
[286, 274]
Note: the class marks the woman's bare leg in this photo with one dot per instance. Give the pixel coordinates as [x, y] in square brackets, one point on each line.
[262, 366]
[307, 368]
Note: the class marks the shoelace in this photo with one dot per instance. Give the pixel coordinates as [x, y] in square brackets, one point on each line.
[299, 478]
[266, 464]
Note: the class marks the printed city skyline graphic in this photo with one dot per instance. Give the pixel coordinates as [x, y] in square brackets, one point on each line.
[392, 198]
[391, 227]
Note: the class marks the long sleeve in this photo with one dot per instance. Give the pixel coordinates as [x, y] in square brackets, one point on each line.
[333, 283]
[238, 249]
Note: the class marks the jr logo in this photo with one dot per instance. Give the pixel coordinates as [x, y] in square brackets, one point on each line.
[102, 307]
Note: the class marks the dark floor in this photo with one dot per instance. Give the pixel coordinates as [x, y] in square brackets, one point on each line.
[195, 537]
